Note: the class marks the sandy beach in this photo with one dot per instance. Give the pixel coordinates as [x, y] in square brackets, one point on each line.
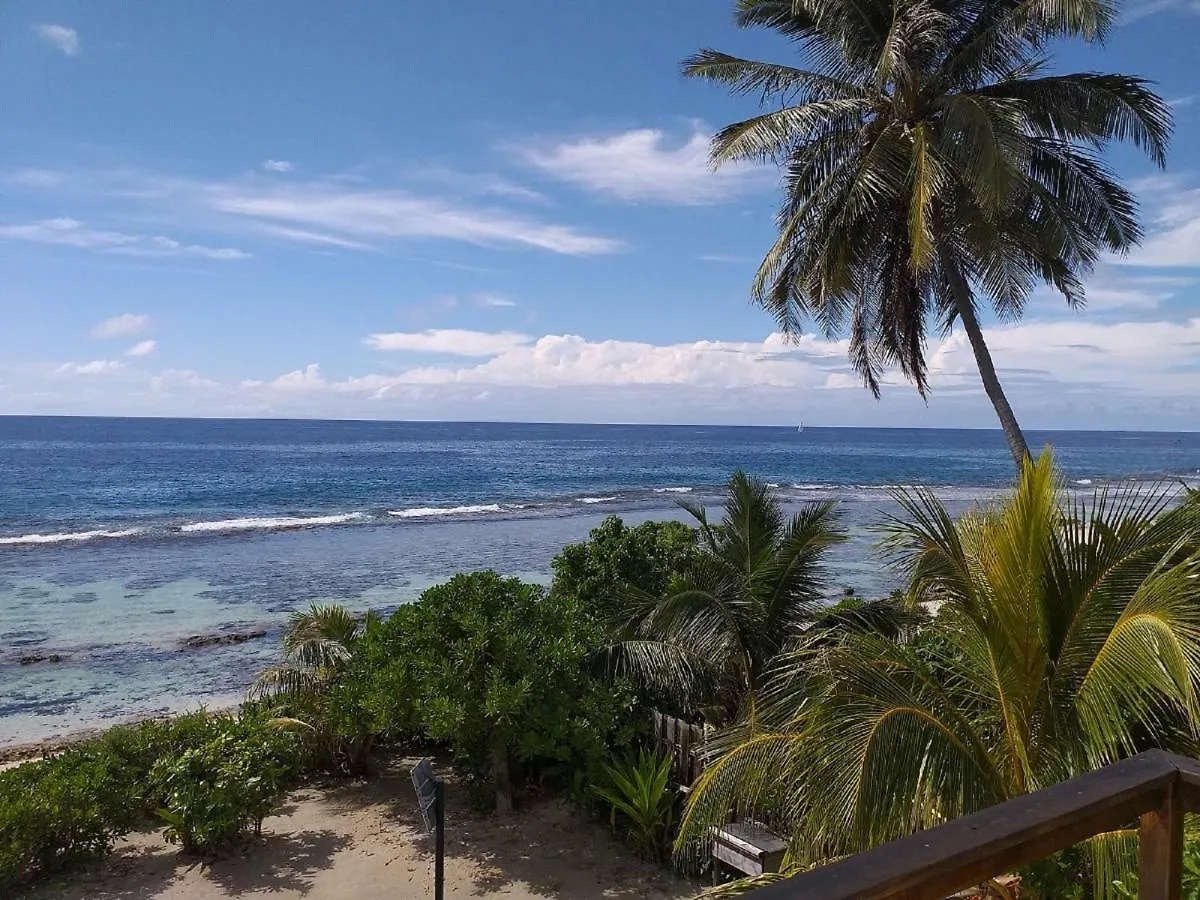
[364, 840]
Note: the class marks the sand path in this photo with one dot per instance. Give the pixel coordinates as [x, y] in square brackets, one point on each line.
[363, 841]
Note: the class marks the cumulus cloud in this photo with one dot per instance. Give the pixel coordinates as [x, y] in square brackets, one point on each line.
[449, 341]
[73, 233]
[642, 165]
[1069, 372]
[278, 165]
[142, 348]
[95, 367]
[124, 325]
[60, 36]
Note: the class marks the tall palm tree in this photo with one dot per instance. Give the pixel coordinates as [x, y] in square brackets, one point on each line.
[756, 581]
[933, 165]
[1068, 638]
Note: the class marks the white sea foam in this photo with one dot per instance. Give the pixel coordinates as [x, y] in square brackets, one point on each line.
[596, 499]
[673, 490]
[1083, 481]
[261, 522]
[68, 537]
[420, 512]
[772, 485]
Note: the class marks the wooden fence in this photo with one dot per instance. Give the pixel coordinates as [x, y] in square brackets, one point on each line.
[683, 742]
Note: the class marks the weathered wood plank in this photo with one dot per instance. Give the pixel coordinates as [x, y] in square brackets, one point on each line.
[936, 863]
[1160, 849]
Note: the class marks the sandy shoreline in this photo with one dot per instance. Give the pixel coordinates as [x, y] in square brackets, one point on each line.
[363, 840]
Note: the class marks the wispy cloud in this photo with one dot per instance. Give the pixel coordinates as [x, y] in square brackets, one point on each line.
[278, 165]
[60, 36]
[450, 341]
[1180, 102]
[142, 348]
[95, 367]
[1173, 233]
[124, 325]
[73, 233]
[1134, 12]
[645, 164]
[362, 215]
[487, 298]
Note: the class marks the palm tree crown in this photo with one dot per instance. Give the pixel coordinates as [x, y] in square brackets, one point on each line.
[1068, 638]
[932, 161]
[757, 579]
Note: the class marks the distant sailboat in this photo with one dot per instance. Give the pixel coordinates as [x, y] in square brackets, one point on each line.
[800, 428]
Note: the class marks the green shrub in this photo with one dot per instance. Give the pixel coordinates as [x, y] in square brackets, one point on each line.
[500, 672]
[58, 813]
[640, 795]
[616, 557]
[213, 792]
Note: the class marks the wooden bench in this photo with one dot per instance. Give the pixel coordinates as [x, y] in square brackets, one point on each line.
[748, 847]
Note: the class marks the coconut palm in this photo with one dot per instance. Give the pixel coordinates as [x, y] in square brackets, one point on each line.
[933, 166]
[1068, 638]
[757, 579]
[317, 644]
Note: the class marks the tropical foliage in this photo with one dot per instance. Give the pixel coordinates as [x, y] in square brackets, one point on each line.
[933, 164]
[306, 690]
[499, 671]
[755, 582]
[641, 797]
[1068, 637]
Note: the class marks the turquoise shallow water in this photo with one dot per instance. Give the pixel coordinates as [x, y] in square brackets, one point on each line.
[118, 538]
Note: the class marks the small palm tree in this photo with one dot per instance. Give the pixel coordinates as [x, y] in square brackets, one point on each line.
[756, 581]
[318, 645]
[933, 165]
[1068, 638]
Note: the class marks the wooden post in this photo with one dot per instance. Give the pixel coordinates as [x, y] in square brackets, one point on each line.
[1160, 850]
[439, 845]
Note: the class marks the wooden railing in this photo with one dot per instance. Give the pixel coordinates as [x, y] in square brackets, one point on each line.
[1154, 787]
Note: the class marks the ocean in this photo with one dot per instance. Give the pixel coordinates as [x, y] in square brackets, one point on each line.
[121, 538]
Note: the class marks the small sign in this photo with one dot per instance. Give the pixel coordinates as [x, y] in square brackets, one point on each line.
[426, 788]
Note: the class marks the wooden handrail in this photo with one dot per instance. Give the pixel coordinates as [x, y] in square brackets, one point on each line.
[1155, 787]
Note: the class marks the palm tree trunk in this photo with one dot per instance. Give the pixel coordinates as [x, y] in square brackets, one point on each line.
[965, 305]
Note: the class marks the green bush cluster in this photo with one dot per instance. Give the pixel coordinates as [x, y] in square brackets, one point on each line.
[501, 673]
[66, 810]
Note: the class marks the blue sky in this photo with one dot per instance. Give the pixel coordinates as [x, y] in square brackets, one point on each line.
[485, 211]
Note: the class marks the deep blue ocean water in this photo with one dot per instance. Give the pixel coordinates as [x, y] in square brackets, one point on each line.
[120, 537]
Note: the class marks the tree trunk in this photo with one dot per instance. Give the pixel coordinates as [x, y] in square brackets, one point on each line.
[500, 777]
[965, 305]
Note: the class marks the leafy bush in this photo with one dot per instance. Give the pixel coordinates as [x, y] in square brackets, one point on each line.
[640, 795]
[499, 670]
[616, 557]
[60, 812]
[215, 791]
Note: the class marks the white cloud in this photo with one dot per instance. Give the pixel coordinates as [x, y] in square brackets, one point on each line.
[306, 379]
[1173, 233]
[360, 215]
[1075, 371]
[95, 367]
[124, 325]
[1179, 102]
[487, 298]
[60, 36]
[450, 341]
[142, 348]
[642, 165]
[73, 233]
[1144, 8]
[36, 178]
[278, 165]
[302, 236]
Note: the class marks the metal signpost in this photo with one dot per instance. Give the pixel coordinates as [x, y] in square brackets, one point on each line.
[431, 798]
